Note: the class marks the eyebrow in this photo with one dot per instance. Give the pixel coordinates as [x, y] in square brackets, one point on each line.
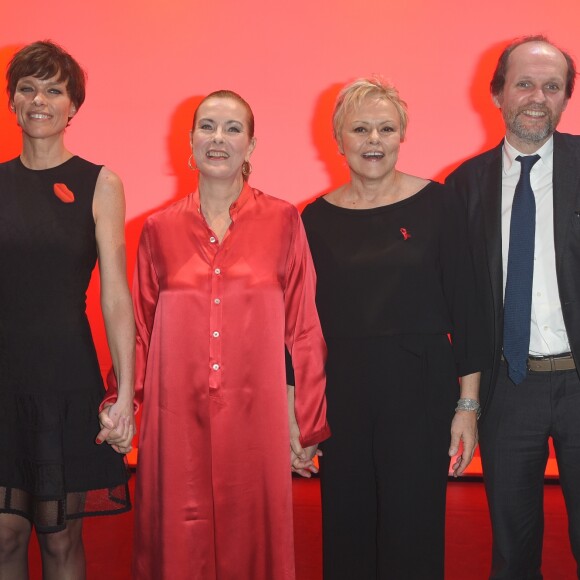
[50, 84]
[389, 120]
[528, 77]
[227, 122]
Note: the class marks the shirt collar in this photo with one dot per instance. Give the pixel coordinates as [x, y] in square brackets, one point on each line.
[244, 196]
[511, 166]
[235, 207]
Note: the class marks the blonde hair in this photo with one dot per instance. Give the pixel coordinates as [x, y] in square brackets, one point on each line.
[352, 96]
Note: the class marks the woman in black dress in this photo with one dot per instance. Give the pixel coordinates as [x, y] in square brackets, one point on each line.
[58, 213]
[394, 280]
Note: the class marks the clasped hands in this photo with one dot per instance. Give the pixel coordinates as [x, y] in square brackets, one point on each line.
[117, 421]
[301, 458]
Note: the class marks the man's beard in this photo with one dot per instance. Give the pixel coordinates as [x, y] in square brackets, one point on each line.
[536, 134]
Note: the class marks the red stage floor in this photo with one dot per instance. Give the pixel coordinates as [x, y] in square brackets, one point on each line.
[108, 540]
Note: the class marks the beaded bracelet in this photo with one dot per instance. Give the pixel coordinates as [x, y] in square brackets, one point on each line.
[469, 405]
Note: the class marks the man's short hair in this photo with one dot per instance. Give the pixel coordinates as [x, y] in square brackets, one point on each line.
[498, 80]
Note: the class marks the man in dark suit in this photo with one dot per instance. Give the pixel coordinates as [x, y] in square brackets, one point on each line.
[529, 282]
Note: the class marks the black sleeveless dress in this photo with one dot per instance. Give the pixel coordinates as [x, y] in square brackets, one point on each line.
[51, 469]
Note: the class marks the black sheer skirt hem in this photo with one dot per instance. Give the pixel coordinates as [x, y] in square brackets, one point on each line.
[49, 515]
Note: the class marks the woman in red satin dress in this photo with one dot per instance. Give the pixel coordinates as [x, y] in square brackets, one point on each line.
[224, 280]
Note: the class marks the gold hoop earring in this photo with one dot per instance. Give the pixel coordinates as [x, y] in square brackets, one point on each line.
[192, 167]
[246, 168]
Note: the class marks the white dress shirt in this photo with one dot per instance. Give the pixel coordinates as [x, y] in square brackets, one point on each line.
[548, 334]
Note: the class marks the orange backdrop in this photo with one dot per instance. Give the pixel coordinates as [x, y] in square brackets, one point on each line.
[150, 62]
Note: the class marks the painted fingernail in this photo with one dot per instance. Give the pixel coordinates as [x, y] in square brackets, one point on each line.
[98, 441]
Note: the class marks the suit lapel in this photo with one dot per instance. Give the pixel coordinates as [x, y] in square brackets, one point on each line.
[490, 191]
[566, 184]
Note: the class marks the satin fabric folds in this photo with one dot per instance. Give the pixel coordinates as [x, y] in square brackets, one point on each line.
[214, 496]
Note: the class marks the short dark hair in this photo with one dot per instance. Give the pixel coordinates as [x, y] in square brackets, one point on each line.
[226, 94]
[43, 60]
[498, 80]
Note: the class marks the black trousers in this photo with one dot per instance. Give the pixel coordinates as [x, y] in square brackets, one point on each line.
[384, 470]
[514, 449]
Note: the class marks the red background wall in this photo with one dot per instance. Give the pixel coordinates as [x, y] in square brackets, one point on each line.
[149, 64]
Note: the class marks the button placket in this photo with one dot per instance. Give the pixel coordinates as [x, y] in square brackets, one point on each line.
[215, 323]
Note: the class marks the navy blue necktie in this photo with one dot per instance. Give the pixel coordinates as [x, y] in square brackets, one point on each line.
[520, 274]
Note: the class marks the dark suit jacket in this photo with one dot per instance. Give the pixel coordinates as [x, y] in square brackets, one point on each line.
[479, 181]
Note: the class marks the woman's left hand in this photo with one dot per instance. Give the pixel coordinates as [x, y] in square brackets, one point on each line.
[463, 430]
[117, 426]
[301, 458]
[117, 419]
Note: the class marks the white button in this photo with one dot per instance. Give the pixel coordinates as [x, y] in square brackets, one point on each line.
[212, 240]
[216, 300]
[215, 367]
[217, 271]
[538, 294]
[215, 334]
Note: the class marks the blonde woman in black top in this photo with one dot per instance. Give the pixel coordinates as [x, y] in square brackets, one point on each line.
[394, 280]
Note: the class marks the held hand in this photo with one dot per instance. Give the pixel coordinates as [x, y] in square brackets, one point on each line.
[463, 430]
[117, 426]
[301, 459]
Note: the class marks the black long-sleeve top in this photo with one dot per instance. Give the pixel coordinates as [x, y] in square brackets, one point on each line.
[398, 269]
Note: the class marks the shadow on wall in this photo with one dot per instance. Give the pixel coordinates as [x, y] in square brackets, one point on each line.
[178, 152]
[10, 140]
[323, 140]
[480, 97]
